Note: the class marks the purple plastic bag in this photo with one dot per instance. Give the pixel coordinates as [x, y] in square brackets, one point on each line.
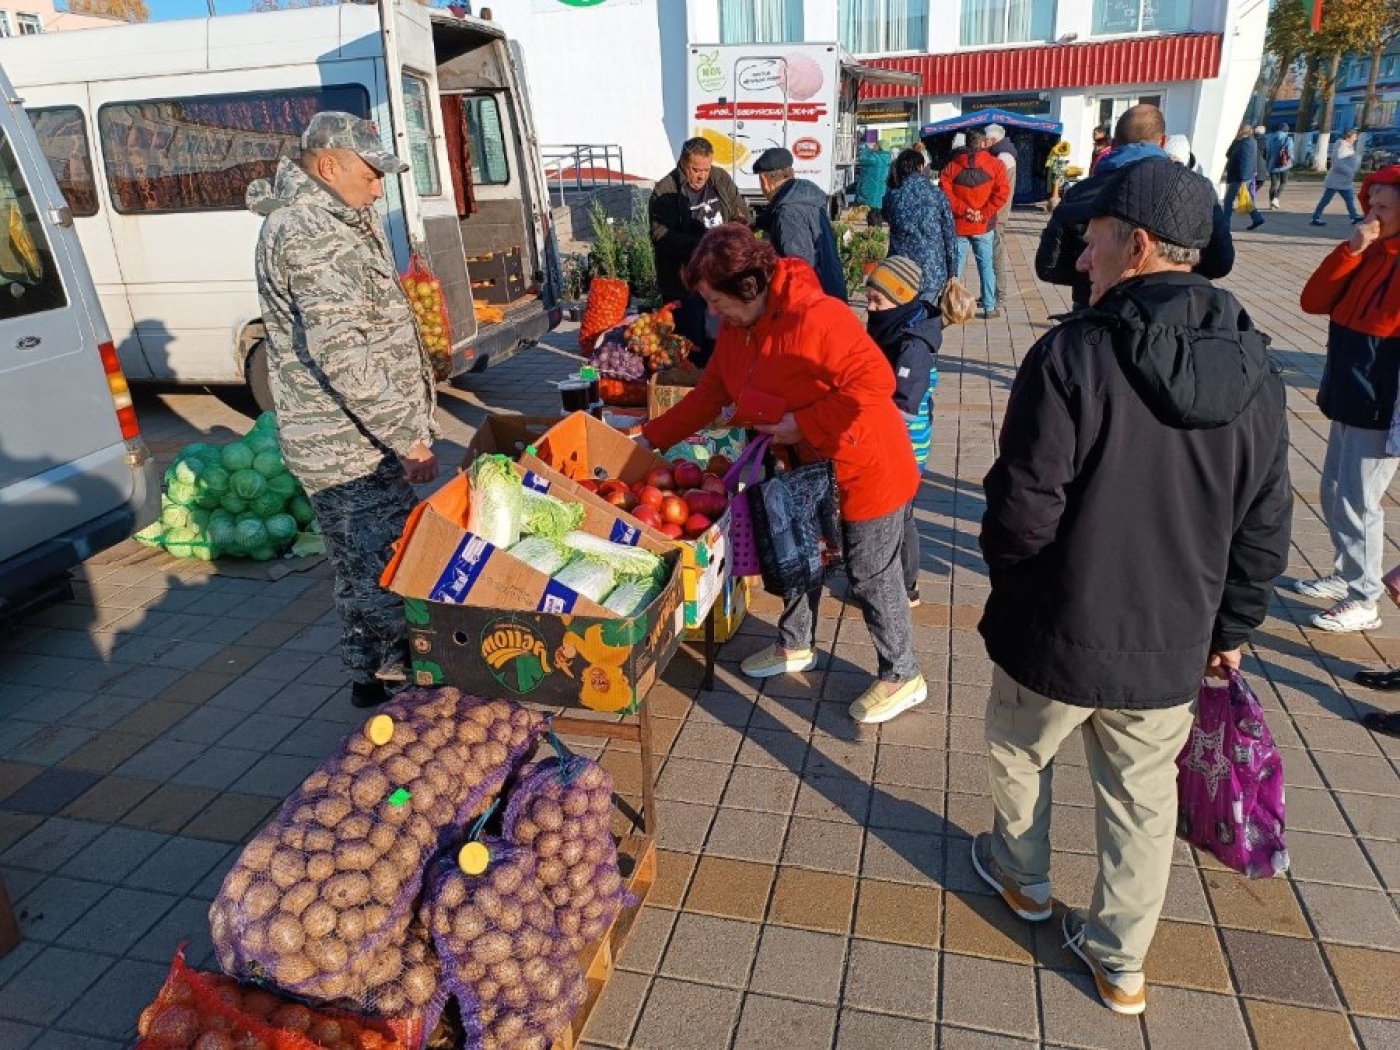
[746, 472]
[1230, 782]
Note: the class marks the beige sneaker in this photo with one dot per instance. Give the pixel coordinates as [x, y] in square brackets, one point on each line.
[877, 705]
[766, 663]
[1123, 993]
[1031, 903]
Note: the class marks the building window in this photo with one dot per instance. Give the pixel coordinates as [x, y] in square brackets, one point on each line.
[872, 26]
[29, 25]
[200, 153]
[5, 29]
[1141, 16]
[760, 21]
[1006, 21]
[64, 142]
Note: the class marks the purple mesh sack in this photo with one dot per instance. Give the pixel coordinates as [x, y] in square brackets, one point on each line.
[1230, 782]
[515, 980]
[320, 903]
[561, 809]
[746, 472]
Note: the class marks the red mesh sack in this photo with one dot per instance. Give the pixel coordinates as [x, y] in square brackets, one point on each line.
[320, 902]
[213, 1012]
[561, 809]
[424, 293]
[607, 307]
[516, 981]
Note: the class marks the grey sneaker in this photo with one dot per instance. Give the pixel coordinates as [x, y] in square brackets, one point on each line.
[1346, 616]
[1123, 993]
[1031, 903]
[1333, 588]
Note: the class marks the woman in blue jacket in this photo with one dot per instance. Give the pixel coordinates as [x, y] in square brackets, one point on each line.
[1241, 169]
[921, 223]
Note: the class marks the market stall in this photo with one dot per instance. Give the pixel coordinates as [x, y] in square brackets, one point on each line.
[1033, 138]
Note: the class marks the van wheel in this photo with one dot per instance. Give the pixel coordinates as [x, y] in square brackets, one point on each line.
[255, 372]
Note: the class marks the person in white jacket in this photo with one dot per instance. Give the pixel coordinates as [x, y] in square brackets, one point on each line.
[1341, 179]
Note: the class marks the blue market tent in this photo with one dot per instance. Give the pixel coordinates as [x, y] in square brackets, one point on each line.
[1033, 138]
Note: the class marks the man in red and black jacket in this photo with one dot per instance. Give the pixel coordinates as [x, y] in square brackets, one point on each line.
[977, 187]
[1358, 287]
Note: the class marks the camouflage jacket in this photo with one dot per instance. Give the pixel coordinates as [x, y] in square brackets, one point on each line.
[349, 373]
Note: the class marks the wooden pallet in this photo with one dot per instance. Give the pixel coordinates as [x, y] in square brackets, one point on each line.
[599, 959]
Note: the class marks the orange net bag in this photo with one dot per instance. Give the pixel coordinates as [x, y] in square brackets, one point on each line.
[607, 306]
[424, 293]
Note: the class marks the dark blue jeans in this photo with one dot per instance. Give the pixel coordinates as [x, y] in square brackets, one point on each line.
[1348, 197]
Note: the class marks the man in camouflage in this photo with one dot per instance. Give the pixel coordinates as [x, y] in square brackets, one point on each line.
[349, 374]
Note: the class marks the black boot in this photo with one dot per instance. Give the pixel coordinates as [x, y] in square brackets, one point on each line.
[1385, 681]
[368, 694]
[1377, 722]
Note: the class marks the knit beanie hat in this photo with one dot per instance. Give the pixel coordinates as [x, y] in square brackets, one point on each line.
[1387, 176]
[897, 279]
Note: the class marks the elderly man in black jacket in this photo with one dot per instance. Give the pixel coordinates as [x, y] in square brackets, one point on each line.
[1141, 132]
[693, 198]
[1137, 514]
[796, 220]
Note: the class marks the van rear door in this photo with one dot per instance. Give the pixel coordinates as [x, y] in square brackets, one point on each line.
[63, 460]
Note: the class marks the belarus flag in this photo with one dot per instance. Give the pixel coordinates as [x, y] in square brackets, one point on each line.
[1314, 9]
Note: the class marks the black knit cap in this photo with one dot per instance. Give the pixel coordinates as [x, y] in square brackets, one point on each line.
[775, 159]
[1157, 194]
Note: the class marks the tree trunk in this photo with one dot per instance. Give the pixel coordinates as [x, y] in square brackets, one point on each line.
[1324, 125]
[1305, 107]
[1369, 106]
[1280, 78]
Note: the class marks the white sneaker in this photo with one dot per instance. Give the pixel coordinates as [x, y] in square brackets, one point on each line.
[1273, 204]
[1333, 588]
[1348, 615]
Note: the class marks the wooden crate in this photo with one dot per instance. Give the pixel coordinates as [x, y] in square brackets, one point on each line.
[497, 277]
[600, 959]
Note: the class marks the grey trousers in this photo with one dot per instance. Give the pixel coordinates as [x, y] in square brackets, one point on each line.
[909, 553]
[873, 564]
[360, 520]
[1132, 763]
[1355, 475]
[999, 252]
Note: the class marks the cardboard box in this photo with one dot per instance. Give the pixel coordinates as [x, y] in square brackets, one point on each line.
[489, 624]
[729, 612]
[507, 435]
[580, 447]
[665, 389]
[497, 277]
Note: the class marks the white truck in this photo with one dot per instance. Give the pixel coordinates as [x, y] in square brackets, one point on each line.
[154, 131]
[746, 98]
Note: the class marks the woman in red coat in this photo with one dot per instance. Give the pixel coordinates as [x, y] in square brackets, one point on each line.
[783, 337]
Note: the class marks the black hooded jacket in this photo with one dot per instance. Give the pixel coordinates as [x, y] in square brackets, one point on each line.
[1139, 508]
[796, 222]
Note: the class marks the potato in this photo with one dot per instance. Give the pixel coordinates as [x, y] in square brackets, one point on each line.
[549, 844]
[420, 984]
[468, 924]
[285, 935]
[390, 1001]
[357, 855]
[330, 811]
[491, 947]
[318, 920]
[293, 970]
[346, 890]
[260, 900]
[329, 954]
[384, 882]
[516, 996]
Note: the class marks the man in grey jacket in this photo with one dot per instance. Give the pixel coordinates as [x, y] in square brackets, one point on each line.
[350, 376]
[796, 221]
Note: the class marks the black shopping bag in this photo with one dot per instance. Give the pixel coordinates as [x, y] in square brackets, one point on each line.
[797, 527]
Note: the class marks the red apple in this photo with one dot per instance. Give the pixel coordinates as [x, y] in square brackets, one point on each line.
[662, 478]
[621, 498]
[648, 515]
[696, 524]
[710, 504]
[651, 496]
[589, 484]
[710, 483]
[719, 465]
[687, 474]
[674, 510]
[672, 530]
[612, 485]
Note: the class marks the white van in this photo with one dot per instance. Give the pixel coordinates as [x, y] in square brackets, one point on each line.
[155, 130]
[75, 476]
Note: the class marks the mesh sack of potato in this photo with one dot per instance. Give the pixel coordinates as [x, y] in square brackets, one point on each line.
[561, 809]
[208, 1011]
[516, 981]
[319, 903]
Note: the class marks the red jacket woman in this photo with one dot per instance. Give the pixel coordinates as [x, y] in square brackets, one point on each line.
[783, 338]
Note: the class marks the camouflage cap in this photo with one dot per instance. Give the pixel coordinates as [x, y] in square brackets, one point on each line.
[333, 130]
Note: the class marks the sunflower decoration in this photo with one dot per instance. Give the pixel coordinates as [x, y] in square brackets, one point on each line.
[1058, 164]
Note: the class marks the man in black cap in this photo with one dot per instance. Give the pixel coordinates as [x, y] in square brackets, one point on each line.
[795, 220]
[1136, 516]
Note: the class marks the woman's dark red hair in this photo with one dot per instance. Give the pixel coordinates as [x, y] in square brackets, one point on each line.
[731, 260]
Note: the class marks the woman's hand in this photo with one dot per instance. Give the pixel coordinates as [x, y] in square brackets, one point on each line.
[783, 432]
[1364, 234]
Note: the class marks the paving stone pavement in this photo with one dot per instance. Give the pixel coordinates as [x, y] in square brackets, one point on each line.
[815, 889]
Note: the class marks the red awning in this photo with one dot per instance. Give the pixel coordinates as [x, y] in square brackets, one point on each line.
[1142, 60]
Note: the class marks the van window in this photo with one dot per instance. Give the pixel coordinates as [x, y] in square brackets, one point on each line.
[200, 154]
[489, 165]
[63, 138]
[29, 281]
[421, 155]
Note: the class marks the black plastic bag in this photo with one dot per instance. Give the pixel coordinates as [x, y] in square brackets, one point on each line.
[797, 528]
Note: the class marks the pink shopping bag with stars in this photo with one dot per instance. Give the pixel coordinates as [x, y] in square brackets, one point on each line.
[1230, 782]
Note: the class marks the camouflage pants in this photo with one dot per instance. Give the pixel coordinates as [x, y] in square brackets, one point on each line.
[359, 522]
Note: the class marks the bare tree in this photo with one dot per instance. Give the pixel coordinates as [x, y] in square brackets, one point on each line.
[125, 10]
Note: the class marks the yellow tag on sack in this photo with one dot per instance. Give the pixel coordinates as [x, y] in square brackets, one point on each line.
[380, 730]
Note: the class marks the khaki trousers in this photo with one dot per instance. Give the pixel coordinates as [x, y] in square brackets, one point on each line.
[1132, 763]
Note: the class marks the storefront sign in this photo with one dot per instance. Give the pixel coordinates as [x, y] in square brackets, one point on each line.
[1037, 105]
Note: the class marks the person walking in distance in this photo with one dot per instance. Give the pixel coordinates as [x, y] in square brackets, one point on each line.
[1000, 147]
[1341, 180]
[796, 221]
[351, 379]
[1162, 399]
[977, 188]
[1356, 287]
[1280, 163]
[1241, 168]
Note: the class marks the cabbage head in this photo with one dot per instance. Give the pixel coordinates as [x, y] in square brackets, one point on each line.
[284, 485]
[213, 478]
[178, 541]
[247, 484]
[267, 421]
[199, 519]
[188, 470]
[260, 441]
[221, 532]
[281, 529]
[250, 534]
[206, 499]
[301, 510]
[175, 516]
[267, 504]
[233, 504]
[201, 450]
[269, 464]
[236, 456]
[262, 554]
[183, 493]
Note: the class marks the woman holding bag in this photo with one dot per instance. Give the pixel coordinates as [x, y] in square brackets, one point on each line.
[783, 343]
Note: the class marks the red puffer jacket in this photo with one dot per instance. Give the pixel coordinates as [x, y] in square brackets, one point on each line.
[810, 350]
[975, 181]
